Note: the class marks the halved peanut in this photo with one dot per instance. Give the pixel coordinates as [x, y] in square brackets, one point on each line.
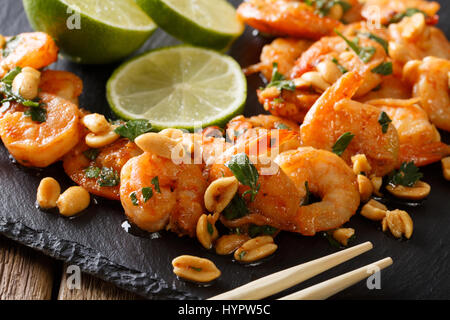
[399, 223]
[374, 210]
[100, 140]
[229, 243]
[26, 83]
[446, 168]
[329, 71]
[158, 144]
[48, 193]
[342, 235]
[365, 187]
[195, 269]
[313, 79]
[377, 182]
[361, 164]
[255, 249]
[206, 231]
[73, 201]
[419, 191]
[96, 123]
[219, 193]
[172, 133]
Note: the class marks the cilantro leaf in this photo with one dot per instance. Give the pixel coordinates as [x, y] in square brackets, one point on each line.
[155, 183]
[134, 199]
[237, 208]
[364, 53]
[245, 172]
[92, 172]
[10, 46]
[254, 231]
[147, 193]
[384, 68]
[340, 67]
[376, 38]
[342, 143]
[408, 13]
[91, 154]
[133, 129]
[37, 114]
[384, 121]
[279, 81]
[407, 175]
[108, 177]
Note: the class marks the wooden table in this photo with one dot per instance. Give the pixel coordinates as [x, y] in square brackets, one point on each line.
[26, 274]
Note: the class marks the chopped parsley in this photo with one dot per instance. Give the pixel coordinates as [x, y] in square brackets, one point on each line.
[384, 121]
[242, 254]
[364, 53]
[407, 175]
[237, 208]
[37, 114]
[279, 81]
[245, 172]
[408, 13]
[255, 231]
[342, 143]
[384, 68]
[92, 172]
[10, 46]
[108, 177]
[133, 129]
[195, 268]
[323, 7]
[282, 126]
[340, 66]
[210, 228]
[134, 199]
[147, 193]
[91, 154]
[155, 183]
[376, 38]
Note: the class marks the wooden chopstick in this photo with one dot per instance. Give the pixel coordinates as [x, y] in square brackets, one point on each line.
[330, 287]
[277, 282]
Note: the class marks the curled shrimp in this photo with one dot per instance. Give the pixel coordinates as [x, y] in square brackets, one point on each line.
[177, 194]
[290, 18]
[35, 49]
[419, 140]
[391, 87]
[62, 84]
[112, 157]
[386, 10]
[35, 144]
[430, 80]
[334, 114]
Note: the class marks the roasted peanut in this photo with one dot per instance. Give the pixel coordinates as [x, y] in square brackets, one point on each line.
[329, 71]
[172, 133]
[365, 187]
[446, 168]
[2, 41]
[374, 210]
[100, 140]
[336, 12]
[73, 201]
[229, 243]
[219, 193]
[158, 144]
[96, 123]
[419, 191]
[342, 235]
[206, 231]
[361, 164]
[255, 249]
[314, 79]
[26, 83]
[399, 223]
[48, 193]
[195, 269]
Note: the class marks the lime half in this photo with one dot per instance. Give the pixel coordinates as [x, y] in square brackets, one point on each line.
[92, 31]
[178, 87]
[206, 23]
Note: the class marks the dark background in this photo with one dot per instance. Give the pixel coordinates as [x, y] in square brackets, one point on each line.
[96, 242]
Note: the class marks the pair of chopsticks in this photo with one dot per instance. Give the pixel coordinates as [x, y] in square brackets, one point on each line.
[282, 280]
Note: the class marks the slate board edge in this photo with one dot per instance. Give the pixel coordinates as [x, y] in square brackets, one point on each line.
[92, 262]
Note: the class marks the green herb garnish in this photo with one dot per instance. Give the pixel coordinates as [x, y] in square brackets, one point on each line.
[10, 46]
[376, 38]
[147, 193]
[195, 268]
[342, 143]
[37, 114]
[364, 53]
[408, 13]
[133, 129]
[385, 69]
[92, 172]
[242, 254]
[279, 81]
[282, 126]
[306, 200]
[210, 228]
[323, 7]
[237, 208]
[340, 66]
[384, 121]
[134, 199]
[108, 177]
[245, 172]
[155, 183]
[91, 154]
[407, 175]
[254, 230]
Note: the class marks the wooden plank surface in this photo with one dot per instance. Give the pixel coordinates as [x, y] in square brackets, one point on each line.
[25, 274]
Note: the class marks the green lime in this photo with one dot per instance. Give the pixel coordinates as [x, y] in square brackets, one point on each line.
[92, 31]
[206, 23]
[178, 87]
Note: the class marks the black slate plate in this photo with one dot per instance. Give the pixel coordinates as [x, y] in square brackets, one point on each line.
[96, 242]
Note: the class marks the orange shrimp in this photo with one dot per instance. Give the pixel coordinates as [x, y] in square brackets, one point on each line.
[35, 49]
[62, 84]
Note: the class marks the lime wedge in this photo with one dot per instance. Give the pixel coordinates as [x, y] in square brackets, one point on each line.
[92, 31]
[178, 87]
[206, 23]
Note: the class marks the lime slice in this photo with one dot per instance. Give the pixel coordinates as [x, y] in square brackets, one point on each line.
[178, 87]
[92, 31]
[206, 23]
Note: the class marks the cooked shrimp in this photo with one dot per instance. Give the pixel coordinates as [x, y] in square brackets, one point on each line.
[334, 114]
[62, 84]
[391, 87]
[290, 18]
[430, 79]
[37, 144]
[278, 201]
[34, 49]
[177, 196]
[386, 10]
[284, 52]
[412, 39]
[419, 140]
[113, 157]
